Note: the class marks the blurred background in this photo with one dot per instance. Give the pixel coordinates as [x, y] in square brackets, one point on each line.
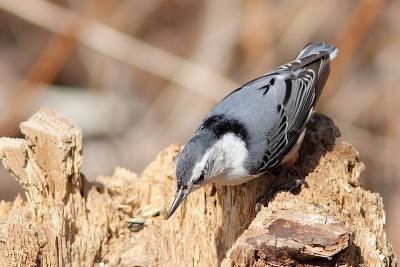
[138, 75]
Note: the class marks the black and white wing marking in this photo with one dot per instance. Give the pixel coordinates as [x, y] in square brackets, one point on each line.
[304, 80]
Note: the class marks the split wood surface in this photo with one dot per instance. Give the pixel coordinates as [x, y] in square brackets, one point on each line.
[66, 220]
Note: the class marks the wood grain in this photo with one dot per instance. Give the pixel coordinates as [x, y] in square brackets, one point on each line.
[120, 220]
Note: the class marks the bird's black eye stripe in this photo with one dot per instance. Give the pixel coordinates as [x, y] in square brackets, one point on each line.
[201, 178]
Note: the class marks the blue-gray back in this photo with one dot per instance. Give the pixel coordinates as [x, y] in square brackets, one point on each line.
[270, 113]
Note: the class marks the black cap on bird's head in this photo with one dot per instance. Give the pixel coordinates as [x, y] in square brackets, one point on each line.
[190, 167]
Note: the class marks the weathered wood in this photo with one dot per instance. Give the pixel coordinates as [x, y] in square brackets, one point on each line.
[66, 217]
[119, 220]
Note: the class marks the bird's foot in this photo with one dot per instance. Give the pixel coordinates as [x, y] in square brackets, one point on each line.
[287, 186]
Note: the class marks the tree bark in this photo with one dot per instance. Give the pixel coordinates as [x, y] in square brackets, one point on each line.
[120, 220]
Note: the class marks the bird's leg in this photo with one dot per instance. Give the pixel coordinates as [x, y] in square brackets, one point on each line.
[276, 187]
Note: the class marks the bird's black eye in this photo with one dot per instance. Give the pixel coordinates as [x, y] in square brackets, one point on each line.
[200, 179]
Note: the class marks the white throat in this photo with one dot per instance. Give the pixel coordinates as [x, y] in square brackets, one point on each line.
[225, 161]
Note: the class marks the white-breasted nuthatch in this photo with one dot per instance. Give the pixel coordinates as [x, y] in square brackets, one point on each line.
[256, 127]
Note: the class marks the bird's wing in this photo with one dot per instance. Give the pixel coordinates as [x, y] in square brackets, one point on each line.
[303, 80]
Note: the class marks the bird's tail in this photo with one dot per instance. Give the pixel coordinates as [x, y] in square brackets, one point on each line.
[318, 47]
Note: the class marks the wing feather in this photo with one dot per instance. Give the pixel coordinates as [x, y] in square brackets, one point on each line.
[304, 80]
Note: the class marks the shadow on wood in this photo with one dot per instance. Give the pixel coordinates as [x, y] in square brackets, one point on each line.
[119, 220]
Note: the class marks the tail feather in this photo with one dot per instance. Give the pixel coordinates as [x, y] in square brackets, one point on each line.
[318, 47]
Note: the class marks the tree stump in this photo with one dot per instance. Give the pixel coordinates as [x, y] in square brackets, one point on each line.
[120, 220]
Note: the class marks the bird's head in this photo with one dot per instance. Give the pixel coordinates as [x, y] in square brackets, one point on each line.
[193, 167]
[216, 153]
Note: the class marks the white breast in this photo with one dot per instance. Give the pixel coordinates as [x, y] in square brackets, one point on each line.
[227, 157]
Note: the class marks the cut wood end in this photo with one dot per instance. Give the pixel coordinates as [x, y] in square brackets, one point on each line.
[57, 142]
[7, 143]
[49, 121]
[13, 156]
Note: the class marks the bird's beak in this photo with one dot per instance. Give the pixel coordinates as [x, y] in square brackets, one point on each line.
[180, 196]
